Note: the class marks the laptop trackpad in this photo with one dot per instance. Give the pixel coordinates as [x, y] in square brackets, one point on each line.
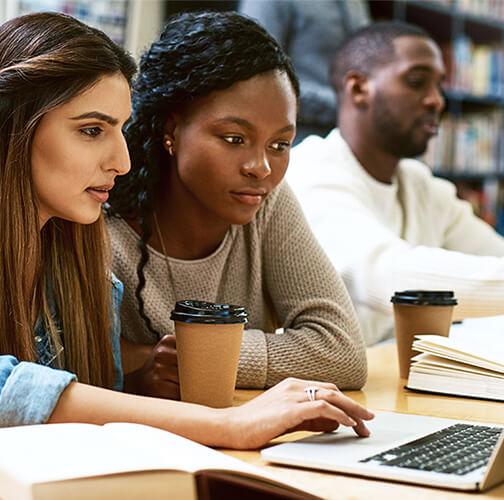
[387, 430]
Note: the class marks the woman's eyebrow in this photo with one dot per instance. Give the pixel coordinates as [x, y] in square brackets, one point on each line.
[237, 120]
[247, 124]
[97, 115]
[288, 128]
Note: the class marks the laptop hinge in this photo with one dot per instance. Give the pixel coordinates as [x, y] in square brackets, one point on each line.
[495, 469]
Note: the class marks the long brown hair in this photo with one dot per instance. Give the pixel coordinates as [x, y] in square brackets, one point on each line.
[46, 59]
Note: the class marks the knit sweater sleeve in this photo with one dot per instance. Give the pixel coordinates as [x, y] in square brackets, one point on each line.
[321, 338]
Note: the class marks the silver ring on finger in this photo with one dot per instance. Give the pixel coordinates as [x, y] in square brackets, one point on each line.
[312, 393]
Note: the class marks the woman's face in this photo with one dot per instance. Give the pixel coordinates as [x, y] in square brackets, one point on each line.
[232, 146]
[79, 149]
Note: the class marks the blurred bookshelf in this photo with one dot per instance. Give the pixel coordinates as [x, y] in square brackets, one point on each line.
[469, 149]
[132, 24]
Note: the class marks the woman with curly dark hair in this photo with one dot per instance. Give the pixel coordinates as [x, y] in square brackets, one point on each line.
[204, 213]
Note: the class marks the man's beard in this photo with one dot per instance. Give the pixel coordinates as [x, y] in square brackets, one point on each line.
[393, 139]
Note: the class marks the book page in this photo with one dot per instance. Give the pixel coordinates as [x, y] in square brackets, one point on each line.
[464, 348]
[56, 452]
[483, 336]
[441, 346]
[173, 451]
[53, 452]
[430, 361]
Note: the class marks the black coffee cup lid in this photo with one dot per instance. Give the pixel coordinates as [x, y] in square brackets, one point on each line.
[198, 311]
[425, 298]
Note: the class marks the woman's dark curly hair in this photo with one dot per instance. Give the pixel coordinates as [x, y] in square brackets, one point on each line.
[196, 54]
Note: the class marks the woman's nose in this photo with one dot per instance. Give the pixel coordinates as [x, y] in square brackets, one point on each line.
[119, 160]
[258, 167]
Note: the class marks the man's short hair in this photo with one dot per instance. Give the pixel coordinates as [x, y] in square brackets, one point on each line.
[369, 47]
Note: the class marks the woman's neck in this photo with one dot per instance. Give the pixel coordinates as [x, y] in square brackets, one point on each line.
[186, 228]
[184, 233]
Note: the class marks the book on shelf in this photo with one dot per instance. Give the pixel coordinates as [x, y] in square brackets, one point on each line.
[467, 144]
[124, 461]
[491, 9]
[484, 198]
[106, 15]
[470, 362]
[474, 68]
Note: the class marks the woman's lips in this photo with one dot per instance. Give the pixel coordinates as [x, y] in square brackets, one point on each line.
[251, 199]
[98, 195]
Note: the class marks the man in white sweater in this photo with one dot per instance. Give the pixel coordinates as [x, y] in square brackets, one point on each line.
[386, 223]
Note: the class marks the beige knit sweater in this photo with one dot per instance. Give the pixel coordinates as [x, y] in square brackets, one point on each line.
[275, 268]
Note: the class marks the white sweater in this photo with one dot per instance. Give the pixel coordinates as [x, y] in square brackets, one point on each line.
[411, 234]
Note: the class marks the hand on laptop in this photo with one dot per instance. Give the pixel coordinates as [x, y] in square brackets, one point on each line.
[286, 407]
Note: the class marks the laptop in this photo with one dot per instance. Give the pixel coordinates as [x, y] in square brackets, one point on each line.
[407, 448]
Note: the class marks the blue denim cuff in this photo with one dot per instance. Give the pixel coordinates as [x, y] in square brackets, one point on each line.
[117, 295]
[29, 392]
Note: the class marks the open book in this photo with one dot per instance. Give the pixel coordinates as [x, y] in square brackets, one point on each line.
[470, 362]
[124, 461]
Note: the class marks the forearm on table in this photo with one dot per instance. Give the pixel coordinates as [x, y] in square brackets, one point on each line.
[89, 404]
[253, 364]
[327, 354]
[316, 352]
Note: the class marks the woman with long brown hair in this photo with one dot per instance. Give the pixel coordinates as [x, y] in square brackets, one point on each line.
[64, 98]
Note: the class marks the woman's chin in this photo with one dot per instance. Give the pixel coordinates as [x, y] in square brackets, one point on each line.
[244, 217]
[242, 221]
[84, 218]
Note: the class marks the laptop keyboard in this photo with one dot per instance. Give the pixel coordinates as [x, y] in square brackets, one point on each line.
[458, 449]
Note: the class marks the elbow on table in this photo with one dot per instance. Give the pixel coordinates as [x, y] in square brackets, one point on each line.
[358, 378]
[353, 372]
[346, 374]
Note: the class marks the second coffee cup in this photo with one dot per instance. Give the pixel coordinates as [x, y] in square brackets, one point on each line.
[420, 312]
[209, 338]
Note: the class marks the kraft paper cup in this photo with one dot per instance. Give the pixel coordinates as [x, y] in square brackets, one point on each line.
[209, 339]
[420, 312]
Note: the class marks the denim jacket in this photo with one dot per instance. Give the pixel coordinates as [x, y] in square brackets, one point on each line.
[29, 392]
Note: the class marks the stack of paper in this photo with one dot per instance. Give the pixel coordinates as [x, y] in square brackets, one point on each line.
[470, 362]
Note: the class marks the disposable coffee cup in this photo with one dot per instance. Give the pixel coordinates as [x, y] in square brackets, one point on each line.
[420, 312]
[209, 338]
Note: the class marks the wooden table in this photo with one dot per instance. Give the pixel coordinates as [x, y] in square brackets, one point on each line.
[383, 391]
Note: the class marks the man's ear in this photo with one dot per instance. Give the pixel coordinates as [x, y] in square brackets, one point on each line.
[357, 88]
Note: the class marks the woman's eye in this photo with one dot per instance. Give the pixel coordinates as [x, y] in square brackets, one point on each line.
[91, 131]
[281, 146]
[233, 139]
